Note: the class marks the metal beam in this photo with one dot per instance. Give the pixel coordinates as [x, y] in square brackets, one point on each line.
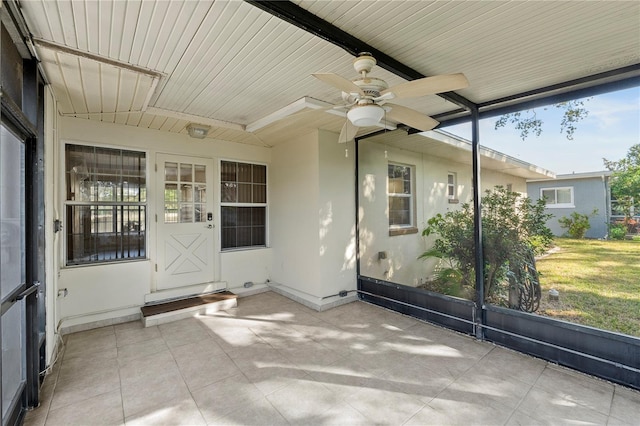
[301, 18]
[593, 85]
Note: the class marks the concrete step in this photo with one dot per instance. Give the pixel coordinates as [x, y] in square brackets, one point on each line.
[177, 309]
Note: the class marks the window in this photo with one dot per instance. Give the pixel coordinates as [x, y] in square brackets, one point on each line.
[400, 195]
[558, 197]
[452, 193]
[105, 205]
[243, 197]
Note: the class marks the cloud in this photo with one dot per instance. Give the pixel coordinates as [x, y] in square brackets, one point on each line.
[610, 111]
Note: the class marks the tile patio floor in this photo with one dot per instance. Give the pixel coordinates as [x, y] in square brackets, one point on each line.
[272, 361]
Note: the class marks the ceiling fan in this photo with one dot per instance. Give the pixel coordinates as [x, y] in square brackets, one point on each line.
[366, 98]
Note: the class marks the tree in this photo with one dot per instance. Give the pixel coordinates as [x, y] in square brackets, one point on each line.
[625, 182]
[513, 231]
[527, 121]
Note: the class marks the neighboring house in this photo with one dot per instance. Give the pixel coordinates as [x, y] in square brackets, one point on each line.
[576, 192]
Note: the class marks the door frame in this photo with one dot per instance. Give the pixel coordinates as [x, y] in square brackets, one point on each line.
[212, 193]
[34, 351]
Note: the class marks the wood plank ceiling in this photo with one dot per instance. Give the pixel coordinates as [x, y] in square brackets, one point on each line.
[228, 64]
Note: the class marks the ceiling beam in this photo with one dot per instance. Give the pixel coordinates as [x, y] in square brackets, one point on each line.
[303, 19]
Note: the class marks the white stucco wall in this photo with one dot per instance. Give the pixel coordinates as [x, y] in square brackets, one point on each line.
[401, 264]
[293, 222]
[336, 215]
[312, 218]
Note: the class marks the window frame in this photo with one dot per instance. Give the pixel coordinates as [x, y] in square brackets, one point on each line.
[410, 228]
[555, 204]
[452, 187]
[237, 204]
[66, 203]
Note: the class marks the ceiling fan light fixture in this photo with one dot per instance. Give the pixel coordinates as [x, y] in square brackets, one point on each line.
[365, 115]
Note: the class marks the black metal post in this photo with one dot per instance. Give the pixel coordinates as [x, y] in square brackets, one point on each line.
[477, 222]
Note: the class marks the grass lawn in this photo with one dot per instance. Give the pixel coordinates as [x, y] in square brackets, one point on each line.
[598, 281]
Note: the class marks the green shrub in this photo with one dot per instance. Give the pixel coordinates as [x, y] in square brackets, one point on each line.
[617, 231]
[576, 224]
[513, 230]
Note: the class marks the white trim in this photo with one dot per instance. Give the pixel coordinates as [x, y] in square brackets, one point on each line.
[411, 196]
[453, 185]
[222, 204]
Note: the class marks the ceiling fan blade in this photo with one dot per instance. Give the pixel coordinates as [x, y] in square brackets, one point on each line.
[348, 132]
[428, 86]
[340, 82]
[411, 117]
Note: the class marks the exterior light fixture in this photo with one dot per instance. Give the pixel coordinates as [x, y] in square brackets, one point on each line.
[365, 115]
[198, 131]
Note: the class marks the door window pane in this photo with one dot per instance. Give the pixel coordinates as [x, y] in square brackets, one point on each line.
[171, 172]
[188, 204]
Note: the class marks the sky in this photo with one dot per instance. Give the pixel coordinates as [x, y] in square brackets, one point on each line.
[610, 129]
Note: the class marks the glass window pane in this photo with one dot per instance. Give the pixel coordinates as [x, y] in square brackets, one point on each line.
[186, 172]
[105, 233]
[171, 213]
[244, 172]
[170, 193]
[399, 213]
[200, 175]
[229, 216]
[259, 174]
[564, 196]
[229, 192]
[244, 193]
[243, 226]
[228, 171]
[200, 212]
[186, 193]
[259, 193]
[243, 235]
[186, 213]
[549, 195]
[171, 172]
[258, 216]
[96, 233]
[78, 178]
[229, 238]
[200, 193]
[258, 236]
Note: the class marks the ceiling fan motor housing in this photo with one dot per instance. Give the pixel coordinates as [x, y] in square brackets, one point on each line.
[364, 62]
[371, 86]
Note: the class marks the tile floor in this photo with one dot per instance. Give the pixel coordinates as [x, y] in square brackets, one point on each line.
[272, 361]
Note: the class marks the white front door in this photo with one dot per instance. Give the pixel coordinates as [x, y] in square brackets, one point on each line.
[186, 226]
